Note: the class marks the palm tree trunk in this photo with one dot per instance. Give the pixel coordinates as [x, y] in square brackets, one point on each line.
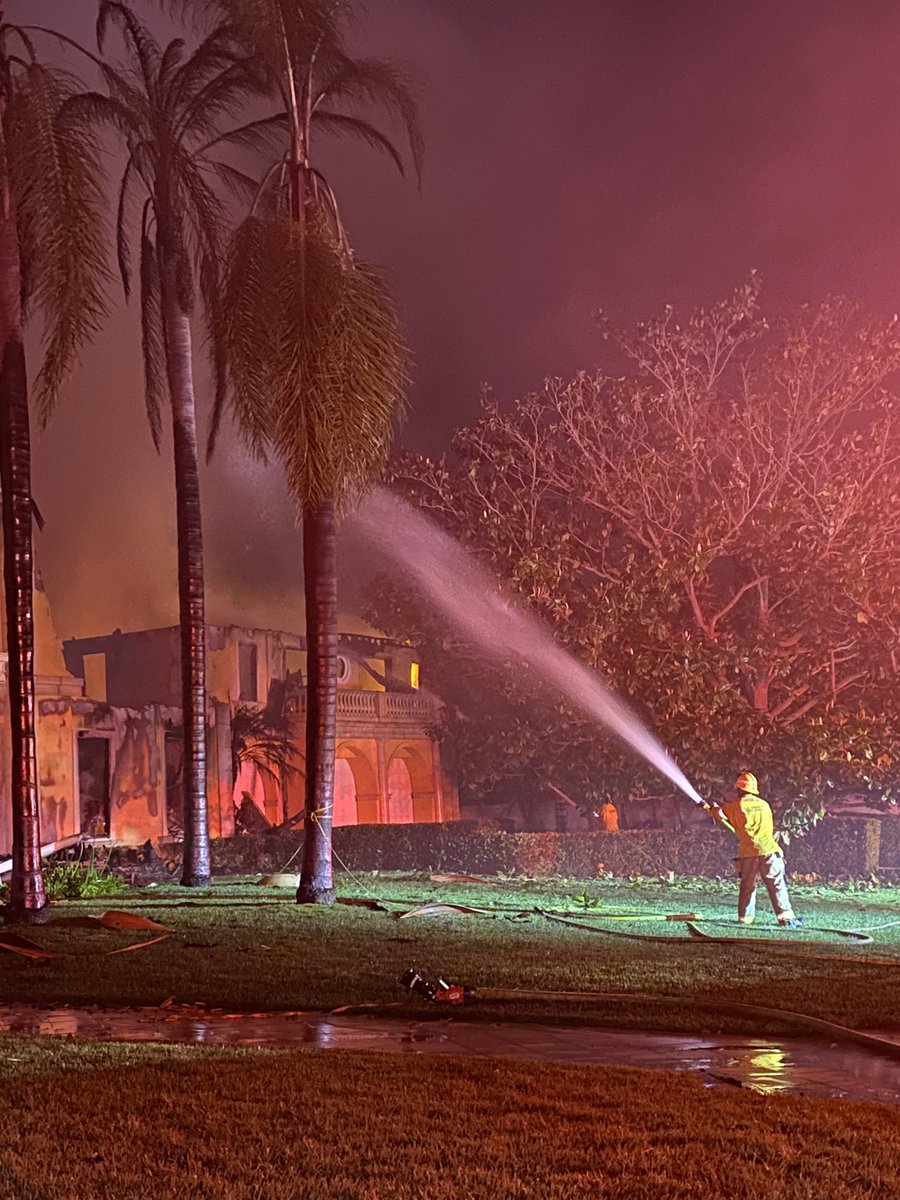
[27, 901]
[320, 588]
[195, 867]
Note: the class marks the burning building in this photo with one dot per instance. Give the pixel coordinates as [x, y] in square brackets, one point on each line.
[388, 768]
[109, 733]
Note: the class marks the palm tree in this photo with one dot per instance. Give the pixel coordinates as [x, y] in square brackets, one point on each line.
[166, 105]
[316, 357]
[51, 257]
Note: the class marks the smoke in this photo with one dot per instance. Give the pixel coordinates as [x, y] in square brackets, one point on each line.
[579, 155]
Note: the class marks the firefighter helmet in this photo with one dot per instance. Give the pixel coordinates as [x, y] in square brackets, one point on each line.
[747, 782]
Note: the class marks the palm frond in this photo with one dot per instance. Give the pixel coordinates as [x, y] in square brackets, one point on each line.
[219, 97]
[370, 81]
[123, 253]
[52, 160]
[215, 52]
[210, 283]
[327, 204]
[137, 37]
[170, 63]
[125, 88]
[202, 215]
[265, 27]
[274, 29]
[263, 737]
[241, 185]
[22, 33]
[93, 108]
[153, 347]
[263, 134]
[195, 13]
[365, 131]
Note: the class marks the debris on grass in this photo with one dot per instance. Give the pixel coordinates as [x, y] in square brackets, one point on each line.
[14, 943]
[114, 919]
[140, 945]
[282, 879]
[362, 902]
[446, 910]
[456, 878]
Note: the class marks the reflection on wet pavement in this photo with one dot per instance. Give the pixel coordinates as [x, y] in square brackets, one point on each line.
[807, 1066]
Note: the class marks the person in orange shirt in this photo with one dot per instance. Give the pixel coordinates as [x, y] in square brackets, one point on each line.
[759, 854]
[609, 817]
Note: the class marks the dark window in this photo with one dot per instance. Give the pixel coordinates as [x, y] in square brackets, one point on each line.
[93, 786]
[247, 671]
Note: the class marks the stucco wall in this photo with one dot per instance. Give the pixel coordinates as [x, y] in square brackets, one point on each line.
[57, 727]
[137, 781]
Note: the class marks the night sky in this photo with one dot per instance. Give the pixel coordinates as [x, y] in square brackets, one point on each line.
[585, 154]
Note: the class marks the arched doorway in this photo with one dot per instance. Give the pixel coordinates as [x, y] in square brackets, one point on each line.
[410, 784]
[399, 800]
[355, 784]
[345, 807]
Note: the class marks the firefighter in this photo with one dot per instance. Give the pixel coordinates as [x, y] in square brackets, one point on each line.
[759, 854]
[609, 817]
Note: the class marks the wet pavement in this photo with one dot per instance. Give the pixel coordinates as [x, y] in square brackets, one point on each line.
[807, 1066]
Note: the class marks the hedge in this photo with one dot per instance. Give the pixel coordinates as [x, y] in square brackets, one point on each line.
[890, 843]
[840, 846]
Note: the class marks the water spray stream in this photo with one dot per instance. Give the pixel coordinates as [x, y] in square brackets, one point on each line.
[466, 595]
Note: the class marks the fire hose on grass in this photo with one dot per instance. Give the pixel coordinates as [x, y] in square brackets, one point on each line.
[443, 993]
[783, 947]
[691, 920]
[786, 945]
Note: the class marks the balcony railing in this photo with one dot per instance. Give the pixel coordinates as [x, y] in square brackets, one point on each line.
[382, 706]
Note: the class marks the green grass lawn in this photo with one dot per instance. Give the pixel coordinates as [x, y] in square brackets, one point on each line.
[154, 1122]
[242, 947]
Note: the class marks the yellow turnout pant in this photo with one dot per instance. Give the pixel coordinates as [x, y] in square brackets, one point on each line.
[770, 868]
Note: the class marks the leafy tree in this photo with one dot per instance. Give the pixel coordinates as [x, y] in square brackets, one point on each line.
[167, 103]
[51, 259]
[714, 530]
[316, 358]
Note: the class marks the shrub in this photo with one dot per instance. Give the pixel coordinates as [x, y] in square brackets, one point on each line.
[842, 846]
[78, 881]
[847, 846]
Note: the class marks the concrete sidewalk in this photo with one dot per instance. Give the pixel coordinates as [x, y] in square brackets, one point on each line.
[801, 1065]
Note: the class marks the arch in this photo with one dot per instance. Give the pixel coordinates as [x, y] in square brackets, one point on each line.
[355, 785]
[410, 785]
[398, 806]
[346, 811]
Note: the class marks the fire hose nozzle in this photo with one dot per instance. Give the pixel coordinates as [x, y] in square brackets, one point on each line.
[440, 992]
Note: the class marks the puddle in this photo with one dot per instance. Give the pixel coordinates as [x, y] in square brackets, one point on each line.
[783, 1065]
